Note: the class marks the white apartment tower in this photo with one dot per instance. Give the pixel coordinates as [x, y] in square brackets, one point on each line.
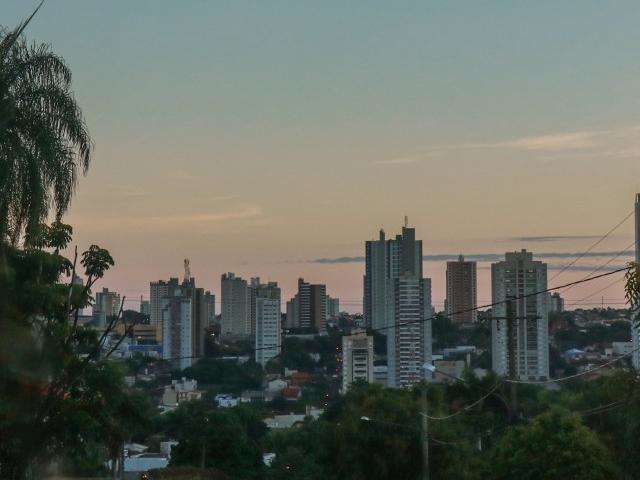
[268, 332]
[357, 358]
[520, 323]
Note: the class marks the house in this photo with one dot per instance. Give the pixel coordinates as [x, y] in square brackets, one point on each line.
[622, 348]
[292, 393]
[181, 391]
[298, 379]
[292, 420]
[276, 385]
[226, 400]
[252, 396]
[573, 354]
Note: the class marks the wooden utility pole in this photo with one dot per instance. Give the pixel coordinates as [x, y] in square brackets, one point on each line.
[425, 435]
[512, 346]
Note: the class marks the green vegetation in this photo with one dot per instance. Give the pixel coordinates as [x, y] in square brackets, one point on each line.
[226, 376]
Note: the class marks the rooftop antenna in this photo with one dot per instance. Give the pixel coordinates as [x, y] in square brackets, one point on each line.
[187, 270]
[406, 221]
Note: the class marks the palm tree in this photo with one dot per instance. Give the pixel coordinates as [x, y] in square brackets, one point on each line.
[43, 137]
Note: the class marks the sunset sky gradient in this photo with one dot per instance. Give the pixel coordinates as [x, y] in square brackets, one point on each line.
[259, 136]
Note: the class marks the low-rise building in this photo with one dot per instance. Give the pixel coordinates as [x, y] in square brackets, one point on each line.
[226, 400]
[447, 371]
[181, 391]
[292, 393]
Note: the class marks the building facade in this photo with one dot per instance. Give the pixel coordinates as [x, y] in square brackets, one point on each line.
[106, 307]
[555, 303]
[520, 325]
[333, 307]
[308, 308]
[177, 330]
[357, 358]
[462, 291]
[397, 303]
[235, 309]
[268, 334]
[157, 291]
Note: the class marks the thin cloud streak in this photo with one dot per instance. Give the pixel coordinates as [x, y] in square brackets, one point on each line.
[483, 257]
[397, 161]
[552, 238]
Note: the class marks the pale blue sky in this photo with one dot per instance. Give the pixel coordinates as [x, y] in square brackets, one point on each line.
[247, 134]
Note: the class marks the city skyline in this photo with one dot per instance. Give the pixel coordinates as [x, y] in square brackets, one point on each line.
[346, 147]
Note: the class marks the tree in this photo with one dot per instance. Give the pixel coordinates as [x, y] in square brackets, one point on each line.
[43, 137]
[224, 439]
[555, 445]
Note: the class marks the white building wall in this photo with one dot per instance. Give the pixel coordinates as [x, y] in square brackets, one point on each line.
[519, 275]
[268, 330]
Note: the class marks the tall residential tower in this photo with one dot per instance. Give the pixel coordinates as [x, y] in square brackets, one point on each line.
[397, 303]
[462, 291]
[520, 328]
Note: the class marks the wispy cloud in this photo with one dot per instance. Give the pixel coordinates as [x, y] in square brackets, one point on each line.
[620, 142]
[483, 257]
[205, 218]
[397, 161]
[554, 142]
[552, 238]
[195, 219]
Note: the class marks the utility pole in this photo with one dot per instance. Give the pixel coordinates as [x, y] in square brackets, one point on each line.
[512, 340]
[425, 435]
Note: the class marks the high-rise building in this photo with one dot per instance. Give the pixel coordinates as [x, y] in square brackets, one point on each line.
[145, 307]
[162, 290]
[293, 313]
[177, 329]
[268, 315]
[199, 312]
[555, 303]
[386, 260]
[106, 306]
[308, 308]
[257, 289]
[409, 338]
[397, 303]
[333, 307]
[235, 310]
[635, 327]
[210, 305]
[357, 358]
[157, 291]
[520, 330]
[462, 293]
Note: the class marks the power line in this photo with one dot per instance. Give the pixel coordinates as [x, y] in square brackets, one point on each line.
[595, 244]
[401, 324]
[576, 375]
[468, 407]
[600, 267]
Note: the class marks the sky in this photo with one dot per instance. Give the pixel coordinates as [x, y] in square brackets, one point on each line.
[258, 137]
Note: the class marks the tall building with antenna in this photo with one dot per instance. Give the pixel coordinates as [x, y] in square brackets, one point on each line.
[397, 303]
